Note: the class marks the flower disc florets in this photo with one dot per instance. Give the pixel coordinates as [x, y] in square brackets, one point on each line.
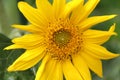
[64, 39]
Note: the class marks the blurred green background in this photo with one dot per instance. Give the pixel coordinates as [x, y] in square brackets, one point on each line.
[9, 14]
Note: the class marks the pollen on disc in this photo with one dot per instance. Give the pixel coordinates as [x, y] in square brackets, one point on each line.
[62, 37]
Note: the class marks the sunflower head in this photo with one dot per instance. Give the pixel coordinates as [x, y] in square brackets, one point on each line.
[62, 38]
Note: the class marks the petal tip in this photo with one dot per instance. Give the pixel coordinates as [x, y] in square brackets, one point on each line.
[101, 76]
[112, 16]
[9, 47]
[6, 48]
[112, 28]
[21, 2]
[9, 69]
[14, 25]
[21, 5]
[117, 55]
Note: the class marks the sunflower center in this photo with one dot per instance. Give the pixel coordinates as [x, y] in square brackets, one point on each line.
[62, 37]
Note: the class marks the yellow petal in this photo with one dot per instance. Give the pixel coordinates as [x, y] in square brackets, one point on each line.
[56, 72]
[70, 6]
[29, 40]
[28, 59]
[93, 63]
[82, 67]
[15, 46]
[89, 22]
[112, 28]
[32, 14]
[29, 28]
[97, 36]
[70, 72]
[58, 7]
[45, 7]
[86, 10]
[20, 46]
[98, 51]
[50, 71]
[76, 13]
[42, 68]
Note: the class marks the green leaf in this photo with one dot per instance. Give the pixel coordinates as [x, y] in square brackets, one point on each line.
[7, 58]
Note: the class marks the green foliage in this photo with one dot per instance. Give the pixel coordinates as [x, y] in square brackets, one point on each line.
[7, 58]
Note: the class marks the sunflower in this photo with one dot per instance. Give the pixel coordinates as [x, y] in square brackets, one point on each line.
[60, 37]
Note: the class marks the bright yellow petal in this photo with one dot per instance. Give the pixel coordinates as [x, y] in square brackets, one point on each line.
[70, 6]
[15, 46]
[32, 14]
[58, 7]
[70, 72]
[45, 7]
[97, 36]
[56, 72]
[98, 51]
[28, 38]
[29, 28]
[82, 67]
[28, 41]
[42, 68]
[28, 59]
[52, 71]
[76, 13]
[89, 22]
[49, 68]
[86, 10]
[93, 63]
